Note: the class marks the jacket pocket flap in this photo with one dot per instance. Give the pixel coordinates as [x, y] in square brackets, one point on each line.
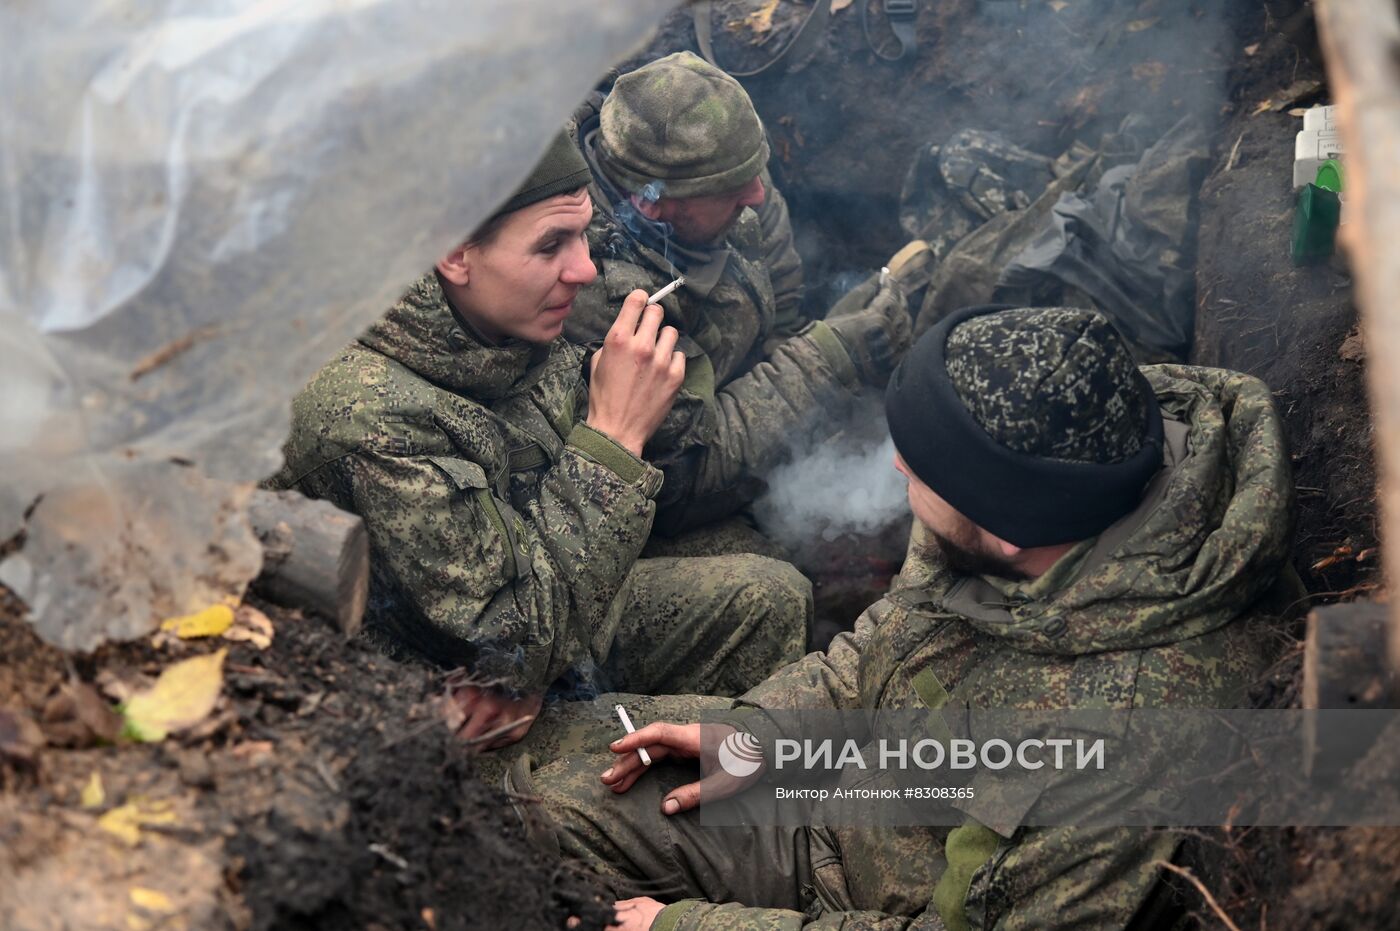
[463, 472]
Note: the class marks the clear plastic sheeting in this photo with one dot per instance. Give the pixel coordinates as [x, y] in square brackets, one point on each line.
[202, 202]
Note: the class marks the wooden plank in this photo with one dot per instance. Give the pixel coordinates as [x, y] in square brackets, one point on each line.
[1361, 42]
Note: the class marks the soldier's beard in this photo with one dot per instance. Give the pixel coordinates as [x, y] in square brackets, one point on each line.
[964, 555]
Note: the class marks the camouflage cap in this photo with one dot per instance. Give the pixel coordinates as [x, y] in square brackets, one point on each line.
[684, 124]
[1035, 423]
[1050, 381]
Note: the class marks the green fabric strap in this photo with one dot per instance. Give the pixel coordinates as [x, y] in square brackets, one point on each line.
[700, 378]
[969, 846]
[934, 696]
[605, 451]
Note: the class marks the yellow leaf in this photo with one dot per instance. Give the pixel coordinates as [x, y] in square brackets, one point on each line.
[93, 794]
[210, 622]
[761, 19]
[151, 900]
[183, 696]
[1138, 25]
[126, 821]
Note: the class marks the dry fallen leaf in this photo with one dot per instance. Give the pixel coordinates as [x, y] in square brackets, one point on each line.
[210, 622]
[94, 796]
[251, 626]
[126, 821]
[1138, 25]
[183, 696]
[151, 900]
[1251, 50]
[1058, 5]
[761, 19]
[838, 5]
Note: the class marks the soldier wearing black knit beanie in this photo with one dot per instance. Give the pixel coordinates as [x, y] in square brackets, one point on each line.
[1022, 431]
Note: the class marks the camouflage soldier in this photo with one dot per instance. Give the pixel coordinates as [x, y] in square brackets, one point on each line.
[1089, 535]
[681, 188]
[506, 503]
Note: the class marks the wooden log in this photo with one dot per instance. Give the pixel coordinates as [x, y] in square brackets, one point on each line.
[315, 556]
[1361, 43]
[1345, 668]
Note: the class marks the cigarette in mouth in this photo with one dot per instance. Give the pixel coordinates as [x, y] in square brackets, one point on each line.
[662, 293]
[621, 711]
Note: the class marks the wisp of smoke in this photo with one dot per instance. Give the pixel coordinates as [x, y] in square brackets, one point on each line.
[843, 485]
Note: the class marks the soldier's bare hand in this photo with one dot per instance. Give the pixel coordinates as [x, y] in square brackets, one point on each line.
[635, 914]
[635, 376]
[685, 741]
[490, 714]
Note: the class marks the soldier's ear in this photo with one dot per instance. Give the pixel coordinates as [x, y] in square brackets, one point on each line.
[455, 267]
[650, 209]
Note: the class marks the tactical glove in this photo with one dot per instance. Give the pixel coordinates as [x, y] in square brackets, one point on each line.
[873, 324]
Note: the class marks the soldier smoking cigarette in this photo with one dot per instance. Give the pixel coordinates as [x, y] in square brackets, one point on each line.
[658, 296]
[621, 711]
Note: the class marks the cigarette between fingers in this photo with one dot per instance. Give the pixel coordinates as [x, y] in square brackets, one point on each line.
[627, 723]
[662, 293]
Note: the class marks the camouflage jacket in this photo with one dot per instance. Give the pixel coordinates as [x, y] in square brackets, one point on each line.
[1169, 607]
[501, 527]
[756, 371]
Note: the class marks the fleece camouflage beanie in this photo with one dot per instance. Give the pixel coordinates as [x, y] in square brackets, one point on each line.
[1035, 423]
[683, 125]
[561, 169]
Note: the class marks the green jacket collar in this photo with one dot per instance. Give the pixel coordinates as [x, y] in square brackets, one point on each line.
[422, 333]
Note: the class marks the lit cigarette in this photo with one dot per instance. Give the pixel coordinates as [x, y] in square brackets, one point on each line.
[652, 300]
[621, 711]
[884, 276]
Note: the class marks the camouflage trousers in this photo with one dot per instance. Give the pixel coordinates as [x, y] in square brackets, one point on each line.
[625, 839]
[716, 625]
[729, 536]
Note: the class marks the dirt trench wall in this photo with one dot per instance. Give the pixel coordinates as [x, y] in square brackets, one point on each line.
[847, 126]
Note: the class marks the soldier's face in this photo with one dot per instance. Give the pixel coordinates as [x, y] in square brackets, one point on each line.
[969, 549]
[702, 220]
[521, 283]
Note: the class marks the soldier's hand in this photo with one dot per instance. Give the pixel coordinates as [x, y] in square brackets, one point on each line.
[874, 326]
[683, 741]
[635, 376]
[494, 719]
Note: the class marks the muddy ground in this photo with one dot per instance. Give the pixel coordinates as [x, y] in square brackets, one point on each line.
[325, 796]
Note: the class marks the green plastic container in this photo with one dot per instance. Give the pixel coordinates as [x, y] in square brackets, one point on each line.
[1315, 225]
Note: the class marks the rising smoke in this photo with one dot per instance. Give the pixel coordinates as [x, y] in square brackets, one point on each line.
[835, 487]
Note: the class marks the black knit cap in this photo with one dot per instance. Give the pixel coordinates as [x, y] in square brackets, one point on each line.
[1035, 423]
[560, 170]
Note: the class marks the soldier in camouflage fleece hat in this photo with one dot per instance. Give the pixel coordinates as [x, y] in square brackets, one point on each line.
[1164, 594]
[505, 495]
[681, 185]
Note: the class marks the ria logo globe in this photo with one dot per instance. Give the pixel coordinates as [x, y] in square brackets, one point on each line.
[740, 755]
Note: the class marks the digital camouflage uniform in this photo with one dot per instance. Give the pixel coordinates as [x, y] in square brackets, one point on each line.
[504, 531]
[1172, 606]
[756, 370]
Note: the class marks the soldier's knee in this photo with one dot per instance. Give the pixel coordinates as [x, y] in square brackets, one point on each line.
[777, 588]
